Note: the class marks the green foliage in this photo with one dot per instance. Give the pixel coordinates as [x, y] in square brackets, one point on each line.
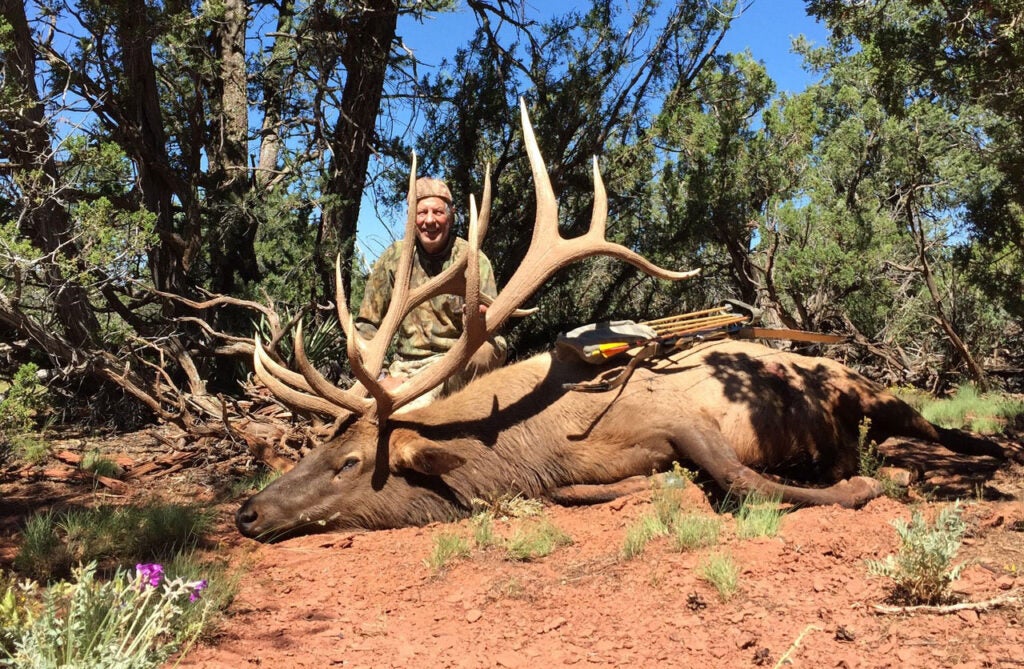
[923, 568]
[915, 397]
[53, 542]
[758, 516]
[324, 344]
[94, 463]
[483, 529]
[638, 534]
[670, 517]
[256, 480]
[694, 530]
[667, 493]
[721, 571]
[920, 48]
[447, 547]
[985, 413]
[869, 460]
[535, 540]
[20, 408]
[126, 622]
[112, 240]
[14, 612]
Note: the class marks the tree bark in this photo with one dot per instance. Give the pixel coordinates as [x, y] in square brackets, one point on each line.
[144, 138]
[368, 38]
[27, 143]
[231, 239]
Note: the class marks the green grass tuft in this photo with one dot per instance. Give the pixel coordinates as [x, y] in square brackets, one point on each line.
[694, 530]
[54, 542]
[447, 548]
[721, 571]
[758, 516]
[535, 540]
[641, 532]
[984, 413]
[483, 529]
[97, 465]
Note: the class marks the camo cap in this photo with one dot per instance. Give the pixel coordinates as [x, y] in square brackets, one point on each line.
[430, 187]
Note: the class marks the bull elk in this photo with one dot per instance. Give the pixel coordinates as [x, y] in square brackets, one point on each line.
[731, 408]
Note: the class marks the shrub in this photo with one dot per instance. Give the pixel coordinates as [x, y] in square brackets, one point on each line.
[131, 621]
[869, 459]
[922, 569]
[19, 410]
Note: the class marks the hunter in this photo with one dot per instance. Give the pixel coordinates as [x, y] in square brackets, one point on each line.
[432, 327]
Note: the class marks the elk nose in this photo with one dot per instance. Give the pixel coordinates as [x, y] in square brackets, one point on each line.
[245, 519]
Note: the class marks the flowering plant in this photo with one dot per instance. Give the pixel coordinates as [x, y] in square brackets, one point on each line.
[132, 621]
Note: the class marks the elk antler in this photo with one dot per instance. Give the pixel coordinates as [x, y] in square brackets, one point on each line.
[548, 252]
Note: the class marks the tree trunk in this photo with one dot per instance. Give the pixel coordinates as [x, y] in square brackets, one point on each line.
[232, 235]
[144, 139]
[975, 370]
[27, 142]
[368, 36]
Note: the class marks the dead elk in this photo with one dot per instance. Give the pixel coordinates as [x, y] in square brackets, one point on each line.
[730, 408]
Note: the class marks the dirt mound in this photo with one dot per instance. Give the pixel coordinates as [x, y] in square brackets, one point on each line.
[369, 599]
[804, 597]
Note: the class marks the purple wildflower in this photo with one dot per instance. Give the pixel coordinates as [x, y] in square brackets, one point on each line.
[151, 573]
[196, 589]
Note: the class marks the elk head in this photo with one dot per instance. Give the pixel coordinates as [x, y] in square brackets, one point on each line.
[355, 479]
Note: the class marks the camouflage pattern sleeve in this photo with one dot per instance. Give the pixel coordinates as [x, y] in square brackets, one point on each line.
[432, 327]
[377, 293]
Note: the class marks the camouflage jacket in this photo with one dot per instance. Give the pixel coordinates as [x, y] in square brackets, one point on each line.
[432, 327]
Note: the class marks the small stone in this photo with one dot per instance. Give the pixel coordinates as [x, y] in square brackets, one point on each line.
[967, 615]
[474, 615]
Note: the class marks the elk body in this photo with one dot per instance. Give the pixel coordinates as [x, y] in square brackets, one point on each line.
[730, 408]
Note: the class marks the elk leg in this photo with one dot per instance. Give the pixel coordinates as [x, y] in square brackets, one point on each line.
[707, 449]
[598, 493]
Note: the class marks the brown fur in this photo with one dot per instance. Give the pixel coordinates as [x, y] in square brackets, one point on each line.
[728, 407]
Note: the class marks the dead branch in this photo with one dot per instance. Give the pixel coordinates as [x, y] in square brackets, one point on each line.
[1013, 598]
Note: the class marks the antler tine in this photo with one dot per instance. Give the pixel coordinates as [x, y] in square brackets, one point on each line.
[366, 356]
[549, 251]
[345, 399]
[283, 383]
[340, 301]
[474, 332]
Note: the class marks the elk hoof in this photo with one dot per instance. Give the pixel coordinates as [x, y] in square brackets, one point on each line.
[860, 490]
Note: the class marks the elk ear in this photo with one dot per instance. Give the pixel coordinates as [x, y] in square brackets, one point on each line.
[425, 457]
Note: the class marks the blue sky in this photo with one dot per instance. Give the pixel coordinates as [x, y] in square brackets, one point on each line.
[766, 28]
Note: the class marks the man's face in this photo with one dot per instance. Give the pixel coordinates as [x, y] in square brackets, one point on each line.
[433, 223]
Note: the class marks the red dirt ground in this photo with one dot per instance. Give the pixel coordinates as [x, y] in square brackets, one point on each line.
[805, 598]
